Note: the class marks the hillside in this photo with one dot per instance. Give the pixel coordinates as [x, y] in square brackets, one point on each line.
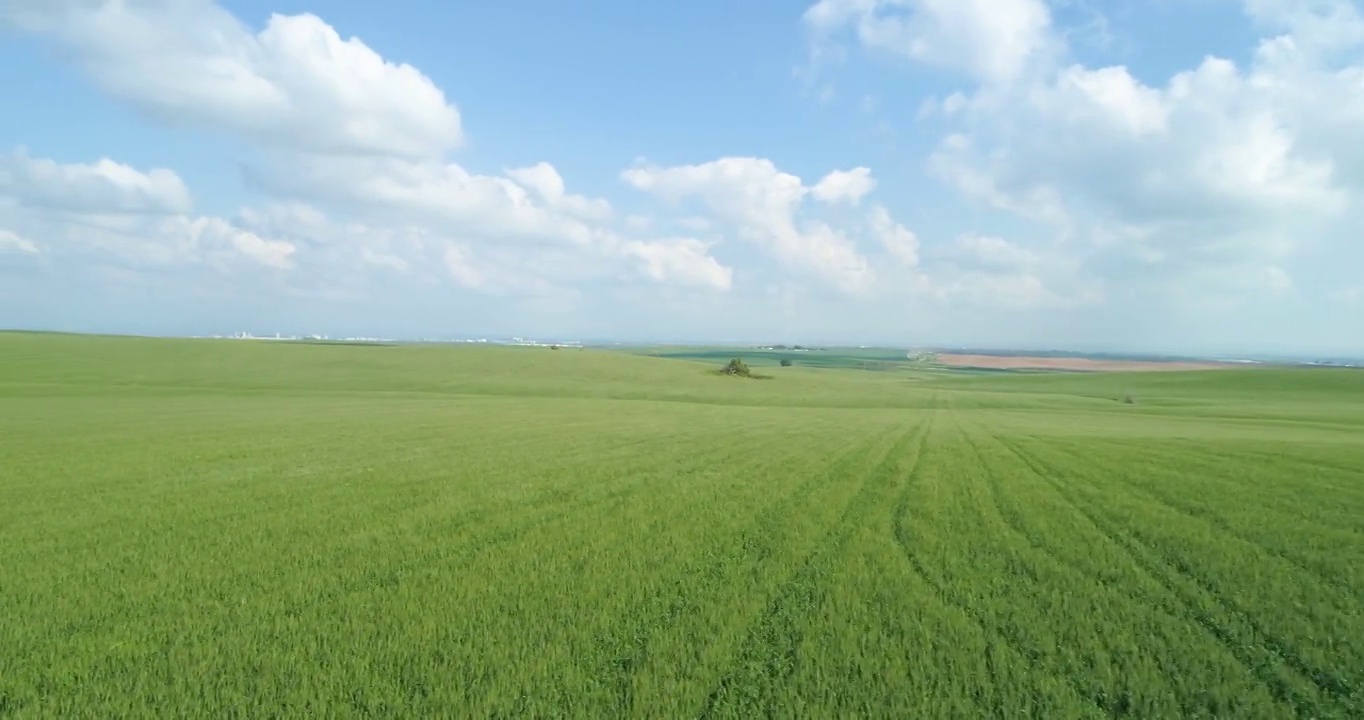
[244, 528]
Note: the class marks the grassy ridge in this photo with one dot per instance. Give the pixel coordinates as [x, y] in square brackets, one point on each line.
[198, 527]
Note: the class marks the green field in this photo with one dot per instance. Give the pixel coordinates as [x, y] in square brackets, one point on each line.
[826, 358]
[240, 529]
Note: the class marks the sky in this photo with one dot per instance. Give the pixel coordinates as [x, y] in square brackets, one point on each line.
[1173, 176]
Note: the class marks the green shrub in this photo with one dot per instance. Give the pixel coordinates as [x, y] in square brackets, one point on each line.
[737, 367]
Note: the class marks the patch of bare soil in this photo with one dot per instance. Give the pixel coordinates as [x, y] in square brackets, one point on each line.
[1023, 362]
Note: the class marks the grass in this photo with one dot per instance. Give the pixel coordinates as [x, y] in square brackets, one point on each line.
[230, 528]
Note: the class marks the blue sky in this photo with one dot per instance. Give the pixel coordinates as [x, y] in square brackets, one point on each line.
[1158, 175]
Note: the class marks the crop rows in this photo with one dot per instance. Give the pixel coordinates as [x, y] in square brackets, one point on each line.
[360, 554]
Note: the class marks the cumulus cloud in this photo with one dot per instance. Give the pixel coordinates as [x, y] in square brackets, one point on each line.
[1215, 178]
[442, 195]
[545, 182]
[354, 249]
[844, 186]
[100, 187]
[681, 261]
[899, 242]
[523, 212]
[349, 134]
[1214, 167]
[994, 41]
[111, 209]
[763, 206]
[343, 129]
[1318, 26]
[1083, 183]
[215, 231]
[295, 83]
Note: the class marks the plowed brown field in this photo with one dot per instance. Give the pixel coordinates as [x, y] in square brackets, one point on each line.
[1022, 362]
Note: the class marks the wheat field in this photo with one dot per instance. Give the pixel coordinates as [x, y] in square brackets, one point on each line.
[227, 528]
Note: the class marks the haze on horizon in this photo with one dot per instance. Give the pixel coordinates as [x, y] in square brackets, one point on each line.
[1070, 174]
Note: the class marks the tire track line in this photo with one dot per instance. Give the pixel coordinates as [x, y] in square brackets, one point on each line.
[1222, 524]
[772, 638]
[1010, 640]
[1151, 559]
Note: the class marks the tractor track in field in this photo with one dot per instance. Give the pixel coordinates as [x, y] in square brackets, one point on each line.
[1357, 471]
[1015, 521]
[772, 638]
[1010, 639]
[750, 544]
[1147, 557]
[1173, 602]
[1151, 560]
[1202, 456]
[1010, 516]
[1331, 685]
[1222, 525]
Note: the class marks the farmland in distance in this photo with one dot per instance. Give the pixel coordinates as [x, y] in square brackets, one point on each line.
[234, 528]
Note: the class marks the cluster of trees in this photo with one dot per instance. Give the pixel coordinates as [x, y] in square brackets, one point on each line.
[739, 368]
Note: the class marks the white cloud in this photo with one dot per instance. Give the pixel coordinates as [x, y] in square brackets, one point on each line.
[502, 275]
[1317, 26]
[683, 261]
[216, 231]
[545, 182]
[443, 196]
[1111, 96]
[991, 253]
[844, 186]
[12, 241]
[1097, 183]
[1226, 151]
[1221, 168]
[117, 212]
[987, 271]
[100, 187]
[1011, 291]
[462, 268]
[348, 134]
[154, 242]
[519, 215]
[295, 83]
[351, 249]
[995, 41]
[898, 241]
[1211, 182]
[762, 205]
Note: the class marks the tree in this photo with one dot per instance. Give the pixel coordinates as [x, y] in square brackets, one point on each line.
[737, 367]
